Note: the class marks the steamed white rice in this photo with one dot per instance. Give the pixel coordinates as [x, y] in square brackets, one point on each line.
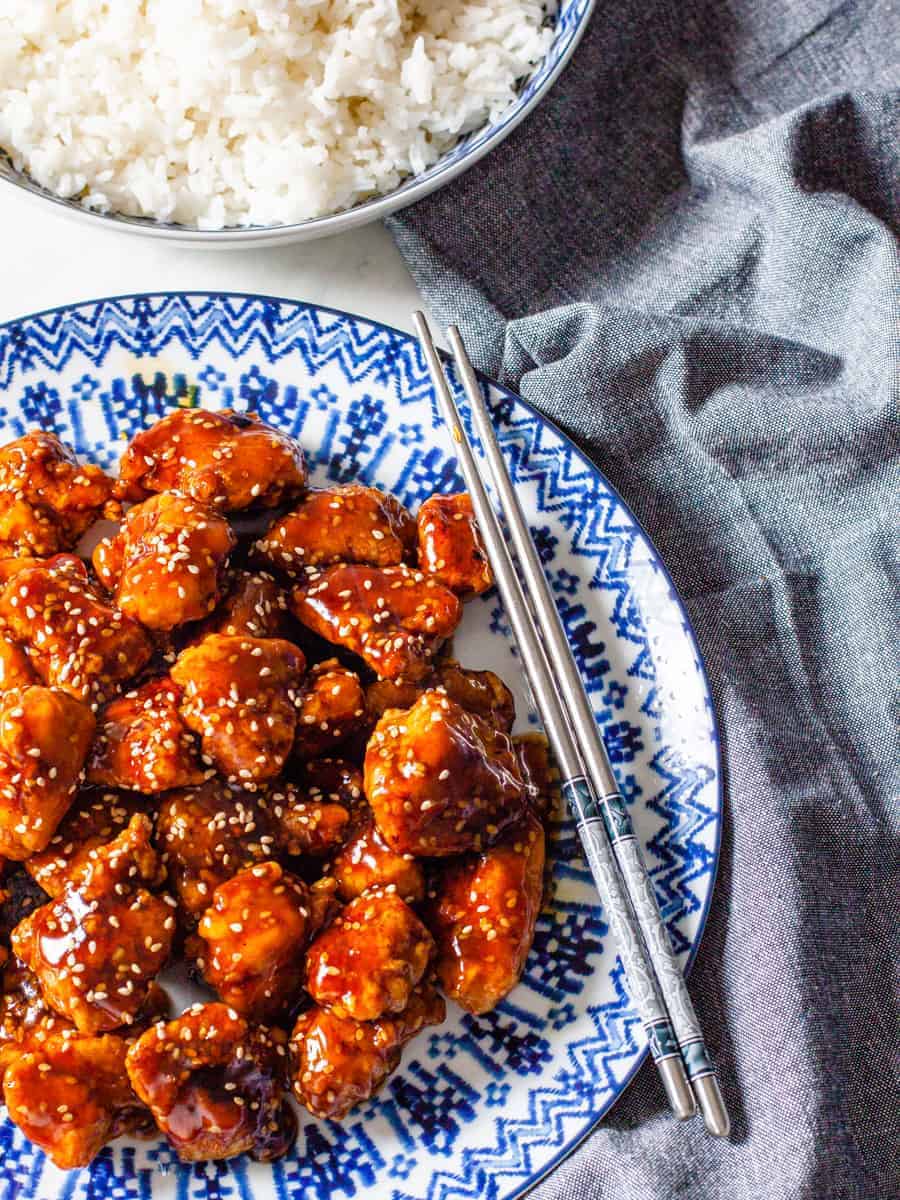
[218, 113]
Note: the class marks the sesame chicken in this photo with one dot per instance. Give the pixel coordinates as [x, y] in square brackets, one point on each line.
[226, 459]
[166, 565]
[142, 743]
[15, 669]
[324, 905]
[312, 826]
[338, 1062]
[19, 897]
[45, 736]
[160, 729]
[369, 959]
[313, 813]
[331, 780]
[70, 1095]
[440, 780]
[47, 499]
[353, 524]
[12, 566]
[382, 694]
[481, 692]
[253, 936]
[95, 819]
[97, 947]
[254, 605]
[483, 914]
[394, 618]
[214, 1085]
[74, 639]
[332, 707]
[25, 1019]
[367, 861]
[450, 546]
[208, 834]
[241, 694]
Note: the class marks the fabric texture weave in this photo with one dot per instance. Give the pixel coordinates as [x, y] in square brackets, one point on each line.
[687, 257]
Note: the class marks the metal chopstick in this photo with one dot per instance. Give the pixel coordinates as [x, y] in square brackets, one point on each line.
[575, 786]
[625, 846]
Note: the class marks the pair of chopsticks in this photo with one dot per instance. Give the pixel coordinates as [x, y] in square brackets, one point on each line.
[655, 979]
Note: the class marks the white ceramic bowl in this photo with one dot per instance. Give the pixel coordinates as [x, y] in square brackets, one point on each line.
[571, 21]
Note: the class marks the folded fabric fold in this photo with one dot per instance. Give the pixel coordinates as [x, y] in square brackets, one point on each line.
[687, 257]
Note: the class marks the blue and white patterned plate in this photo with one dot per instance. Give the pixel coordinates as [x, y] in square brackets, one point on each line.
[481, 1107]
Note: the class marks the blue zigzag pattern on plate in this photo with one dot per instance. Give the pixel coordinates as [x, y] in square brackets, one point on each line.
[482, 1105]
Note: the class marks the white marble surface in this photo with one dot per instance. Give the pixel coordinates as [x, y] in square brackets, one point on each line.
[48, 259]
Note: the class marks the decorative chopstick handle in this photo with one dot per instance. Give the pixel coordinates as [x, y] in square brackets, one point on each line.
[591, 825]
[690, 1042]
[592, 752]
[681, 1010]
[579, 792]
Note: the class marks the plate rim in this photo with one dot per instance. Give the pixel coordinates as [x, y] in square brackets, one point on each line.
[571, 1146]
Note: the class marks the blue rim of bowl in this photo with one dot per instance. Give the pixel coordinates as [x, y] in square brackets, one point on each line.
[656, 561]
[375, 209]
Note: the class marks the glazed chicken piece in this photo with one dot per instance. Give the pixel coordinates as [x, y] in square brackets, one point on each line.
[94, 820]
[324, 905]
[142, 743]
[12, 566]
[385, 694]
[227, 459]
[483, 914]
[47, 499]
[331, 780]
[332, 707]
[254, 605]
[395, 618]
[450, 546]
[369, 959]
[440, 780]
[25, 1019]
[241, 695]
[207, 835]
[75, 640]
[539, 772]
[45, 736]
[367, 861]
[26, 1022]
[97, 948]
[70, 1095]
[481, 692]
[253, 936]
[166, 565]
[15, 669]
[214, 1085]
[19, 897]
[313, 816]
[338, 1063]
[353, 524]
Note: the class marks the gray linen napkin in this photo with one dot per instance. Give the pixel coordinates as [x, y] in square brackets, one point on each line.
[687, 258]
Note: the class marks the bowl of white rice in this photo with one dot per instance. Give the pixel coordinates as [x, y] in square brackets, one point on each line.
[221, 122]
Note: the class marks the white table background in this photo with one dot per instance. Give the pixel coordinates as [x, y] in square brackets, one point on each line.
[47, 260]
